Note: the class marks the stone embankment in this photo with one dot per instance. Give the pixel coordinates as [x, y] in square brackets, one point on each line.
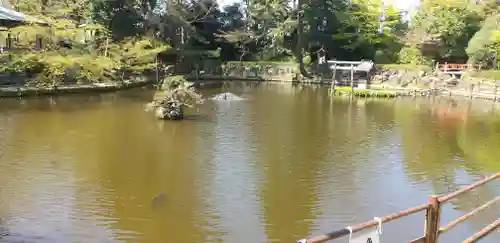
[207, 74]
[407, 82]
[22, 91]
[435, 83]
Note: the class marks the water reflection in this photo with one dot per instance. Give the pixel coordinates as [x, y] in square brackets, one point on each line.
[443, 161]
[290, 156]
[285, 163]
[236, 175]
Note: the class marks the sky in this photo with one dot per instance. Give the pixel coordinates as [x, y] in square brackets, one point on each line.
[405, 4]
[401, 4]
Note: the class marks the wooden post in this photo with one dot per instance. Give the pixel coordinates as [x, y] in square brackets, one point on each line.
[352, 79]
[349, 115]
[495, 62]
[322, 74]
[221, 72]
[467, 111]
[106, 47]
[432, 218]
[495, 93]
[157, 71]
[332, 86]
[197, 72]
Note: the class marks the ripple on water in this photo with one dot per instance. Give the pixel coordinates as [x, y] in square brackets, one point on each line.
[276, 168]
[41, 201]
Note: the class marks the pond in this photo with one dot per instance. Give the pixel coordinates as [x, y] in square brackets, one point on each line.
[284, 164]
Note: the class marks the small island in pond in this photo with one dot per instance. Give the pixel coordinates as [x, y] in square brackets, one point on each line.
[174, 94]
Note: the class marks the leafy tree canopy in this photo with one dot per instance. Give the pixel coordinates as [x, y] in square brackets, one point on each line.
[126, 36]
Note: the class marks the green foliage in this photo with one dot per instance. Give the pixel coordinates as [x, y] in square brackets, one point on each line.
[171, 82]
[99, 40]
[53, 68]
[412, 55]
[381, 93]
[286, 62]
[479, 47]
[493, 47]
[444, 26]
[383, 57]
[75, 52]
[344, 30]
[136, 54]
[406, 67]
[307, 60]
[177, 89]
[365, 17]
[484, 74]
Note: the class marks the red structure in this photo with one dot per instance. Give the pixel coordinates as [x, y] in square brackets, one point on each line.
[457, 68]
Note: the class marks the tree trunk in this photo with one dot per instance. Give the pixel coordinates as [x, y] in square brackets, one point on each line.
[300, 39]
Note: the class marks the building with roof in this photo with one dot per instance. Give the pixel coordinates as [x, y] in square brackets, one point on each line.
[10, 18]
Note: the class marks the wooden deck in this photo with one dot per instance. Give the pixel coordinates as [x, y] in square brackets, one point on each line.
[432, 228]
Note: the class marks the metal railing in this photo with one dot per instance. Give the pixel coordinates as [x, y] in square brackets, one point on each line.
[432, 218]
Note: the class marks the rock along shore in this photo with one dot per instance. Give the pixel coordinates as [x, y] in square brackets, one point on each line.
[23, 91]
[485, 91]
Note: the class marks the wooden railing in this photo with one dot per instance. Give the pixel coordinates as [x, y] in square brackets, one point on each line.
[432, 230]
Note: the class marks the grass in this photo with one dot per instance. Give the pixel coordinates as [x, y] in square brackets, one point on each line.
[491, 75]
[381, 93]
[406, 67]
[409, 67]
[263, 62]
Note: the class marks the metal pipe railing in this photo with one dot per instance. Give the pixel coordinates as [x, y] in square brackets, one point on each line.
[484, 232]
[446, 198]
[345, 231]
[433, 208]
[455, 222]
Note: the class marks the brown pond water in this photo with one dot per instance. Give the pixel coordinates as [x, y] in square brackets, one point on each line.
[284, 164]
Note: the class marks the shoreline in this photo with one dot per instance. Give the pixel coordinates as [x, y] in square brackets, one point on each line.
[24, 91]
[213, 80]
[444, 92]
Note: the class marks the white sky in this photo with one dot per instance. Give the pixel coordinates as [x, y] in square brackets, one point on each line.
[405, 4]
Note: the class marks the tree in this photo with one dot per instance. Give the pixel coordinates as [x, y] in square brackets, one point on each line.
[261, 33]
[176, 93]
[375, 24]
[73, 47]
[136, 54]
[479, 47]
[126, 36]
[443, 29]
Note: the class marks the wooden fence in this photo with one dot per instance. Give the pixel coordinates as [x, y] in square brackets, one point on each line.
[489, 91]
[432, 228]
